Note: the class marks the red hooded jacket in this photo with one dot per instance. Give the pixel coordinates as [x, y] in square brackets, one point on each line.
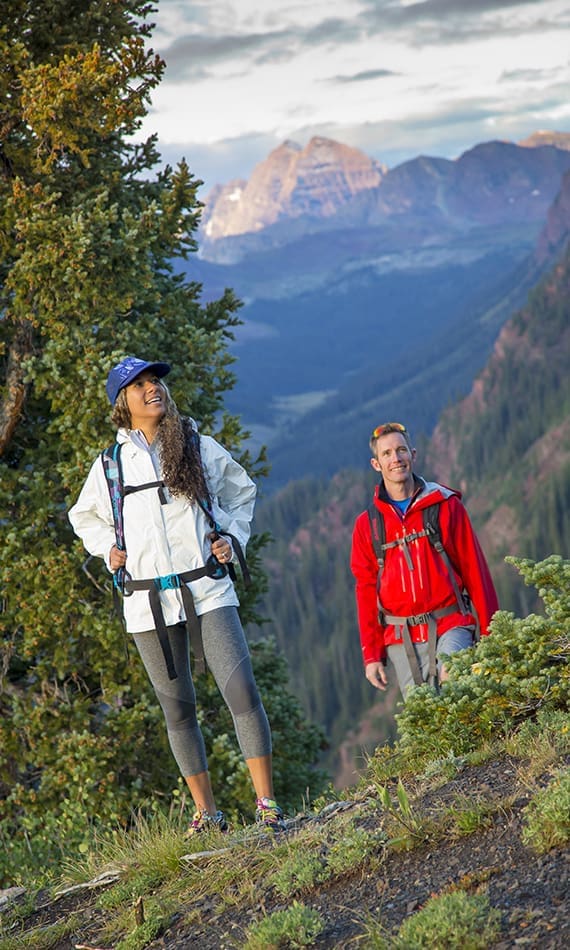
[427, 586]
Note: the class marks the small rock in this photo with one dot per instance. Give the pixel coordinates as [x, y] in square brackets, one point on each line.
[10, 895]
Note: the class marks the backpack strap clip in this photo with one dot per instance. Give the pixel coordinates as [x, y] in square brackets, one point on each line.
[168, 582]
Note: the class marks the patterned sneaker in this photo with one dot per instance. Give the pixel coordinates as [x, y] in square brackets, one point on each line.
[269, 815]
[202, 821]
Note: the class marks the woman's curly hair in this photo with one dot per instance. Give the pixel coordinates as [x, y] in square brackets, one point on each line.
[178, 446]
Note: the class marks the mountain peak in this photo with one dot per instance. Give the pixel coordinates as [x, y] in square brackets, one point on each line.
[326, 185]
[290, 144]
[313, 181]
[547, 137]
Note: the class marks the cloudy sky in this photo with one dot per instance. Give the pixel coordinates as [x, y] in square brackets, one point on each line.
[395, 78]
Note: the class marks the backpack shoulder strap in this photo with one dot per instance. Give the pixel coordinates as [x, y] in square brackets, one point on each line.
[431, 527]
[377, 533]
[217, 530]
[111, 459]
[430, 516]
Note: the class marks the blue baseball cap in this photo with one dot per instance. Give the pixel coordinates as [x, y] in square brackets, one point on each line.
[126, 371]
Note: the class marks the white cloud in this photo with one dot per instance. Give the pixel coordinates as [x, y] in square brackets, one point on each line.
[387, 73]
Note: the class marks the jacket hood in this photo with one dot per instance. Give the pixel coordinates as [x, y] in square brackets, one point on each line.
[424, 492]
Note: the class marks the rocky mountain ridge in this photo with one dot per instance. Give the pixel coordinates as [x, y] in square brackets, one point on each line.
[327, 186]
[524, 340]
[292, 182]
[518, 490]
[556, 232]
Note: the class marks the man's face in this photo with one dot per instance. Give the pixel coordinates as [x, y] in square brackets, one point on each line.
[393, 459]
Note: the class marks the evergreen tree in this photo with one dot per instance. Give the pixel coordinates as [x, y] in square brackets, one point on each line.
[90, 232]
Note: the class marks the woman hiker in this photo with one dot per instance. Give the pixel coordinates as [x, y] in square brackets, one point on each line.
[180, 486]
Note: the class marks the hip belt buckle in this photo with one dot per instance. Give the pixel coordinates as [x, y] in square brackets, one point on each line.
[419, 618]
[168, 582]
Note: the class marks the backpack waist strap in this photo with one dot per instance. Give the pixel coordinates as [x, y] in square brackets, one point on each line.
[178, 582]
[417, 619]
[404, 623]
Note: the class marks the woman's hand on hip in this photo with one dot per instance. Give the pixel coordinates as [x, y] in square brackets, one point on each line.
[222, 550]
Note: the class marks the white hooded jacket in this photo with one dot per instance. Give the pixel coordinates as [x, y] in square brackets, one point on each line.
[170, 538]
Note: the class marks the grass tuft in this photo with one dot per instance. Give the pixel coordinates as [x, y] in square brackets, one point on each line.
[297, 926]
[452, 921]
[547, 816]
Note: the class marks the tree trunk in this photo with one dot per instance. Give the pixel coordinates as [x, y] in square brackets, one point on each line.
[15, 389]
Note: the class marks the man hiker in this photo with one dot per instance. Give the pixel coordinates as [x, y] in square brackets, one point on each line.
[423, 586]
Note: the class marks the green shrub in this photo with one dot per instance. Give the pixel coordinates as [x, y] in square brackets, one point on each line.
[297, 926]
[504, 680]
[551, 726]
[355, 847]
[456, 921]
[547, 816]
[301, 871]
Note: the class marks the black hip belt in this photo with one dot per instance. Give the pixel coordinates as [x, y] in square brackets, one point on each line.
[154, 585]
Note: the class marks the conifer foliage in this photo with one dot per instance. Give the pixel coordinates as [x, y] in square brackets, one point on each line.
[90, 231]
[517, 673]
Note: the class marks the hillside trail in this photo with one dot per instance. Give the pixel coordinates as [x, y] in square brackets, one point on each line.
[530, 891]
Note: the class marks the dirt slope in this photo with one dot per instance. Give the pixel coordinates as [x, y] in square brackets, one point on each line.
[530, 891]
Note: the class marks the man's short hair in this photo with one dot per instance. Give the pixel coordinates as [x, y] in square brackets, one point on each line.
[385, 429]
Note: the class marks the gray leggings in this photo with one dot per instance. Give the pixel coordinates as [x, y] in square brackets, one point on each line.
[228, 658]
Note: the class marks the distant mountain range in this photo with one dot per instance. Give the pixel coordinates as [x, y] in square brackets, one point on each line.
[371, 293]
[327, 186]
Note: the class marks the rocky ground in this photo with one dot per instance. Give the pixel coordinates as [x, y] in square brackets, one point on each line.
[530, 891]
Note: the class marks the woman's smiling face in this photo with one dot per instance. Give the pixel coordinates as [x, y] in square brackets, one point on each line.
[146, 401]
